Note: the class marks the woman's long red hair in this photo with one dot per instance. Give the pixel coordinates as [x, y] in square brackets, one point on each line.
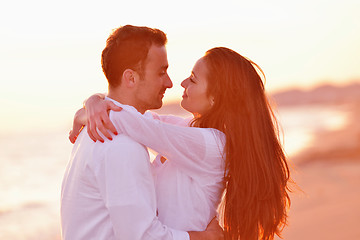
[256, 195]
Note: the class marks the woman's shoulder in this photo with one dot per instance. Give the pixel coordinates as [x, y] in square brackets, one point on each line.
[217, 134]
[214, 138]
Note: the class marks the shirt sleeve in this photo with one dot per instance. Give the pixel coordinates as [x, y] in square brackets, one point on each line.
[198, 151]
[172, 119]
[129, 195]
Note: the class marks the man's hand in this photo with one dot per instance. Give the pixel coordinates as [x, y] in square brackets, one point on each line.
[212, 232]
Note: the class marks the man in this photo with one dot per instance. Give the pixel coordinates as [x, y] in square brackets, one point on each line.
[108, 191]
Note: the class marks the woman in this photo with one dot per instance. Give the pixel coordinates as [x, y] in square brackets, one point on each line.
[226, 93]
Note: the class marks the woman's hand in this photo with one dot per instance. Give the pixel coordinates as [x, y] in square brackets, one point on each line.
[97, 115]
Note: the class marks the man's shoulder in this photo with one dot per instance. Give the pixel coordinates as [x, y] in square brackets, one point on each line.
[124, 142]
[125, 148]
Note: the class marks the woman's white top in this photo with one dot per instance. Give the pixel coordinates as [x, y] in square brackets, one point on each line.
[189, 184]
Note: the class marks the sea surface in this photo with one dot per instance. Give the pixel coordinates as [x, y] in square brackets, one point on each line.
[32, 166]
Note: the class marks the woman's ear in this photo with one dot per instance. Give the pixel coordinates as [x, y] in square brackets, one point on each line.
[129, 77]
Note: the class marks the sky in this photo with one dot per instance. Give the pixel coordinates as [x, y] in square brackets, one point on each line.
[50, 50]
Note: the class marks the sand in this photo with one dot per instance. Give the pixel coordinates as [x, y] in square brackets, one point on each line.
[328, 173]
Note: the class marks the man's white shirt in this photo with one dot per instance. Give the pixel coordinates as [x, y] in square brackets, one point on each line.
[108, 192]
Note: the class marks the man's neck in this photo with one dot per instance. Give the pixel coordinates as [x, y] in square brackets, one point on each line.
[125, 97]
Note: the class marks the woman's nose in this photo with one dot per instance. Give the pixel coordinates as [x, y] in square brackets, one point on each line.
[184, 83]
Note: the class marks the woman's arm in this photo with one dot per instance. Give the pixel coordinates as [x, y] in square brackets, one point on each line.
[172, 119]
[97, 117]
[197, 150]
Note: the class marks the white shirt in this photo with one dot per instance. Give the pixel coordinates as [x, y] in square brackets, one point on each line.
[189, 184]
[108, 192]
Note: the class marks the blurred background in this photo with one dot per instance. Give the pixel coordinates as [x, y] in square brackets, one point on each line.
[309, 50]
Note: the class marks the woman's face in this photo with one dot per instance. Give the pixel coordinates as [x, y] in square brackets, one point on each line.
[195, 99]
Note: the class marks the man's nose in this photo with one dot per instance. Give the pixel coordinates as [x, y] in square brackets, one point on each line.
[168, 83]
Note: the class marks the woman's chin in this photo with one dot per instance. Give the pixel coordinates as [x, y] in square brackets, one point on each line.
[183, 105]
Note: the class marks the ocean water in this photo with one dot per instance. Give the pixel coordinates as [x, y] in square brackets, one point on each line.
[300, 124]
[31, 171]
[32, 166]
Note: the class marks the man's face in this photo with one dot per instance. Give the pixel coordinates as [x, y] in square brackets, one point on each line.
[152, 87]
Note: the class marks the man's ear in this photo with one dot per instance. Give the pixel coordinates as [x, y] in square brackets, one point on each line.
[129, 78]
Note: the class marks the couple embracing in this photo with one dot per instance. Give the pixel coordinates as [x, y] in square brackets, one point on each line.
[225, 163]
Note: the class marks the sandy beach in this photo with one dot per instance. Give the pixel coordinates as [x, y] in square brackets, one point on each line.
[328, 173]
[329, 206]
